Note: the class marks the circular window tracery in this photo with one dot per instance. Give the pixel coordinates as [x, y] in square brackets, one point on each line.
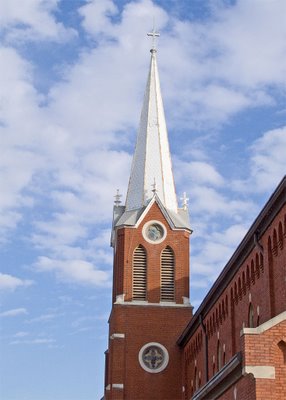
[154, 232]
[153, 357]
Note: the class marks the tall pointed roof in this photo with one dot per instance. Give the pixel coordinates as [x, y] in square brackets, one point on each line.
[152, 167]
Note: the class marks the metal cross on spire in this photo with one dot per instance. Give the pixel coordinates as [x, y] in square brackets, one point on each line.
[154, 35]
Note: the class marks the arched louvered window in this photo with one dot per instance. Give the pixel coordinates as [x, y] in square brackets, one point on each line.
[139, 274]
[167, 275]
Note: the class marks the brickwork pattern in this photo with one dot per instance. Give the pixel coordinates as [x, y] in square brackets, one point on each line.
[149, 321]
[259, 282]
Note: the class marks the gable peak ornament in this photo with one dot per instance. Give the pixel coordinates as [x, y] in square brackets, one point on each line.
[185, 201]
[117, 197]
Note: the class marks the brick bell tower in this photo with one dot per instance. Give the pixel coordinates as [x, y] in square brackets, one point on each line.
[150, 237]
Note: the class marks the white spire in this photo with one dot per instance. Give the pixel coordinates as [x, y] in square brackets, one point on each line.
[152, 160]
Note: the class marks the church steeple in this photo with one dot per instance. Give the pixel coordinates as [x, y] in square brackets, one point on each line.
[152, 159]
[150, 238]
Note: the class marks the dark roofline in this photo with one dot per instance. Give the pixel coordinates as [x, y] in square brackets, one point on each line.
[259, 226]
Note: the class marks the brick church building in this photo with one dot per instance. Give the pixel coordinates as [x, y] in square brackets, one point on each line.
[234, 346]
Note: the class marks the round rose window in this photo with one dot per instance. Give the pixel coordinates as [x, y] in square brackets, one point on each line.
[153, 357]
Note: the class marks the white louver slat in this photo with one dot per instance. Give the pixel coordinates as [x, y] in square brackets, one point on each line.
[167, 275]
[139, 274]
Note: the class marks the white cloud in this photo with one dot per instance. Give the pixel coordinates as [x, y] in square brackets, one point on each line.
[207, 199]
[251, 37]
[199, 172]
[19, 122]
[96, 16]
[43, 318]
[73, 271]
[226, 64]
[9, 282]
[63, 152]
[33, 20]
[267, 162]
[14, 312]
[211, 254]
[34, 341]
[231, 236]
[21, 334]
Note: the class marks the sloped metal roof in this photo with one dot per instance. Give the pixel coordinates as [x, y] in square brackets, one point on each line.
[152, 159]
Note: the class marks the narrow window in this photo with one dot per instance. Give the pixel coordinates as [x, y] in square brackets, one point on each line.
[219, 356]
[196, 379]
[167, 275]
[139, 274]
[282, 347]
[250, 316]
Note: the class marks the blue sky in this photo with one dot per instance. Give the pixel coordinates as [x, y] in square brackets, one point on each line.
[72, 78]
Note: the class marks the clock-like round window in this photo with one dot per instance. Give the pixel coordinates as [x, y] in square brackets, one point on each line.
[154, 232]
[153, 357]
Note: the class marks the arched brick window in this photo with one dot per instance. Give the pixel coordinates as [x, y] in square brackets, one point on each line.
[275, 243]
[224, 357]
[282, 347]
[139, 278]
[243, 283]
[167, 275]
[226, 304]
[257, 266]
[239, 288]
[252, 272]
[219, 355]
[247, 276]
[261, 262]
[280, 236]
[235, 292]
[196, 379]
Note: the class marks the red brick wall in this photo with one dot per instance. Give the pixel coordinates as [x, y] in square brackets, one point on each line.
[143, 323]
[259, 280]
[127, 241]
[244, 389]
[268, 349]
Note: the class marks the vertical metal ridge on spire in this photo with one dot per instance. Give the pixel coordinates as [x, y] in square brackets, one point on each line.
[152, 159]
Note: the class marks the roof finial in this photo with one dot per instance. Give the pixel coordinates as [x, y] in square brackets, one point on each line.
[185, 201]
[117, 200]
[154, 35]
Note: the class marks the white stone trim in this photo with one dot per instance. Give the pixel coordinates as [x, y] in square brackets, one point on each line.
[265, 326]
[260, 371]
[186, 300]
[117, 336]
[161, 304]
[107, 387]
[117, 386]
[165, 362]
[120, 298]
